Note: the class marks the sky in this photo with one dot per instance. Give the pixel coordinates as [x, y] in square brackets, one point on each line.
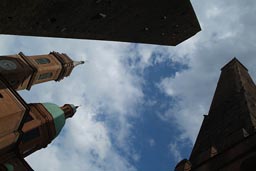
[141, 105]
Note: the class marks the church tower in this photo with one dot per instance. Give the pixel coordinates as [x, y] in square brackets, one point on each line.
[227, 138]
[26, 128]
[22, 72]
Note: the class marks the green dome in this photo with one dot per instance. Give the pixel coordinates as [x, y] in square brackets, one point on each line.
[57, 114]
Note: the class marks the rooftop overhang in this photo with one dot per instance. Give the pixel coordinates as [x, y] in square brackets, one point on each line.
[163, 22]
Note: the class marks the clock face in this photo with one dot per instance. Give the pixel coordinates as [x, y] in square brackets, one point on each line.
[7, 65]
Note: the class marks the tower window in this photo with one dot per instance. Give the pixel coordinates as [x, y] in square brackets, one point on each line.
[45, 76]
[30, 135]
[43, 61]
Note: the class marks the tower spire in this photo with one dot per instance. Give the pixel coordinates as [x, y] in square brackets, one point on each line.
[75, 63]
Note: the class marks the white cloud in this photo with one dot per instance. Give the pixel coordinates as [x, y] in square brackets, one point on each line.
[213, 12]
[5, 43]
[173, 148]
[136, 157]
[151, 142]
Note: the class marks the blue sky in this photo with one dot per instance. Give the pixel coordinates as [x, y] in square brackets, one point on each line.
[142, 105]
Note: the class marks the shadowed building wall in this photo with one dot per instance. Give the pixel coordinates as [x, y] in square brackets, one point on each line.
[227, 139]
[164, 22]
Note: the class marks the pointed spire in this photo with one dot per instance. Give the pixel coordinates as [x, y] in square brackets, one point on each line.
[233, 62]
[75, 63]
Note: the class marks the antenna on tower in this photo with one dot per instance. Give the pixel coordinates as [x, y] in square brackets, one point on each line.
[78, 106]
[75, 63]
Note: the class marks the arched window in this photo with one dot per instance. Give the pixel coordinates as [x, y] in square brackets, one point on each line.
[45, 76]
[248, 164]
[43, 61]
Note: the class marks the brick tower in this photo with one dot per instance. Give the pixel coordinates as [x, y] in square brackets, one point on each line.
[227, 139]
[26, 128]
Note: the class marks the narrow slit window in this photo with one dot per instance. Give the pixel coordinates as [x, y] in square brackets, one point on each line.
[45, 76]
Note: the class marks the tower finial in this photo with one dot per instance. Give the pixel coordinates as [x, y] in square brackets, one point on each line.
[75, 63]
